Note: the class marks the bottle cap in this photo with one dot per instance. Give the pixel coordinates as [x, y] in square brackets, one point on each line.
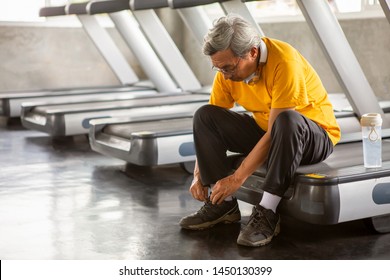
[371, 119]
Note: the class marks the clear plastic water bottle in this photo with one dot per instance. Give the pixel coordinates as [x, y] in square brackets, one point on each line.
[372, 139]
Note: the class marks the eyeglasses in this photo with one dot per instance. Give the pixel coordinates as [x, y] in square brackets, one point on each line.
[227, 70]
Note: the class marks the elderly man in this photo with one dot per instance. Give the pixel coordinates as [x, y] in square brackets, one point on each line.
[291, 123]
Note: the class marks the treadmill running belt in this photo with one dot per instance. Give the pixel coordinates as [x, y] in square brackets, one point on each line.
[345, 164]
[158, 128]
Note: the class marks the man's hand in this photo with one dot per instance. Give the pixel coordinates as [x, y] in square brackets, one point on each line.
[224, 188]
[198, 191]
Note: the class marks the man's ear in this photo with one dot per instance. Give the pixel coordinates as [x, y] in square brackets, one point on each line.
[254, 52]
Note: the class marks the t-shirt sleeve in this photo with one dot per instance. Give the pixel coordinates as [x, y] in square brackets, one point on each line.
[220, 93]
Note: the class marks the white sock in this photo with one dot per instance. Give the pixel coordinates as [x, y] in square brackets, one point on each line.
[270, 201]
[229, 198]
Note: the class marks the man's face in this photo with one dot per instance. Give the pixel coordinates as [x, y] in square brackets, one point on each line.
[232, 67]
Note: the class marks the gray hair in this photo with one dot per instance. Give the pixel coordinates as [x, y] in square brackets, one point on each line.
[233, 32]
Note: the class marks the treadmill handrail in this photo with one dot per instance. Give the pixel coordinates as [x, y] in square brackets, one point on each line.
[178, 4]
[108, 7]
[76, 9]
[147, 5]
[120, 5]
[52, 11]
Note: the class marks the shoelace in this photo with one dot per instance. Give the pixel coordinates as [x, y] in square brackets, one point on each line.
[207, 206]
[256, 221]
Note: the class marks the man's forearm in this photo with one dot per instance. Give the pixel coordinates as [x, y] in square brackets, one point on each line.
[255, 158]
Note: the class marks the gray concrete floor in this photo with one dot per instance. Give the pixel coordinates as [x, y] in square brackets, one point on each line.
[60, 200]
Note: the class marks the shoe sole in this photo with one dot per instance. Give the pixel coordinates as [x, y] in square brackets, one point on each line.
[261, 242]
[226, 219]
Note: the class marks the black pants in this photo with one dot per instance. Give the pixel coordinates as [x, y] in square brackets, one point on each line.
[295, 140]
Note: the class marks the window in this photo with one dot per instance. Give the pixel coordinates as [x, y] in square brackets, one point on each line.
[285, 9]
[20, 10]
[28, 10]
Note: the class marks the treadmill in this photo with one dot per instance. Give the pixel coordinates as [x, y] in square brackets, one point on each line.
[123, 138]
[131, 86]
[338, 189]
[71, 119]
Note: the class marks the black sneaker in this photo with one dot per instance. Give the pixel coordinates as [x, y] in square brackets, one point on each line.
[263, 225]
[212, 214]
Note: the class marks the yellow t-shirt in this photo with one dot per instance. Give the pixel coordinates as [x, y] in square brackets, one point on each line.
[287, 80]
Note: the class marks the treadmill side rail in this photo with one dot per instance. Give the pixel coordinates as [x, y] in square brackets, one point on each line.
[312, 204]
[360, 199]
[336, 190]
[179, 148]
[142, 145]
[327, 204]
